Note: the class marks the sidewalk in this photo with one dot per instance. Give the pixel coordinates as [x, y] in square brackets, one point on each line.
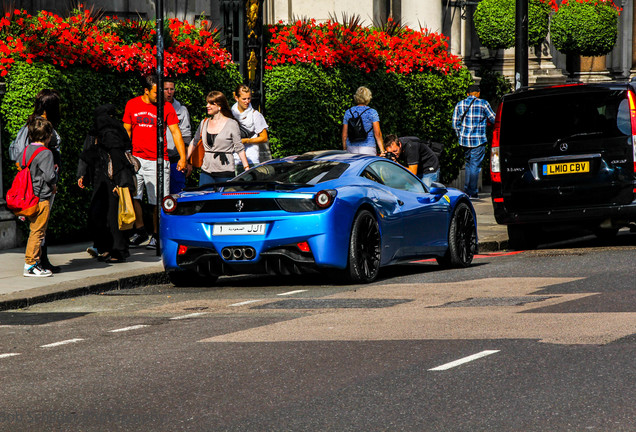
[82, 274]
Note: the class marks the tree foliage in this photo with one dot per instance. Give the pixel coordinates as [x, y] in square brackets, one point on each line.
[585, 28]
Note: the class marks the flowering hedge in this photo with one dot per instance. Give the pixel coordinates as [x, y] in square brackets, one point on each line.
[105, 44]
[92, 61]
[332, 44]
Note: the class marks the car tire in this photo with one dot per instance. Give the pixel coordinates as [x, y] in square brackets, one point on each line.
[365, 246]
[606, 234]
[522, 237]
[187, 278]
[462, 238]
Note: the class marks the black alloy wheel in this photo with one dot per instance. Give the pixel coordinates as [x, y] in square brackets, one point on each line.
[364, 248]
[462, 238]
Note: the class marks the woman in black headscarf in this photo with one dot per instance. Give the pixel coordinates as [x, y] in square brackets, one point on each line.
[107, 140]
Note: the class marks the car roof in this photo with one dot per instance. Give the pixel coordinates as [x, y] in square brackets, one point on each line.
[565, 89]
[333, 156]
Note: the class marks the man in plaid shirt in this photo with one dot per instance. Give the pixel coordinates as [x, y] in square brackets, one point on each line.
[469, 121]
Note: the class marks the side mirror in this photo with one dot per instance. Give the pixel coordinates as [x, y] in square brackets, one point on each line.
[437, 189]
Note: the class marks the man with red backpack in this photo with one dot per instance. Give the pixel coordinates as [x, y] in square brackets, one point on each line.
[44, 180]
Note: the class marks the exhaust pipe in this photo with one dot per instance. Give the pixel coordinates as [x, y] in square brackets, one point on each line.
[238, 253]
[226, 253]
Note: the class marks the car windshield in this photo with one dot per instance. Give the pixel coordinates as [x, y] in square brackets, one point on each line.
[292, 173]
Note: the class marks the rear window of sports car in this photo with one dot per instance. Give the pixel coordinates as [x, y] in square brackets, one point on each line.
[297, 172]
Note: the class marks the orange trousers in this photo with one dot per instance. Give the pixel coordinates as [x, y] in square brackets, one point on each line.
[37, 224]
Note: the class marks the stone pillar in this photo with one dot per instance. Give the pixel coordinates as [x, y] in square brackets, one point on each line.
[621, 58]
[9, 237]
[427, 13]
[633, 36]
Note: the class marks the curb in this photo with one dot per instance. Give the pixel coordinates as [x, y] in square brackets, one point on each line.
[43, 295]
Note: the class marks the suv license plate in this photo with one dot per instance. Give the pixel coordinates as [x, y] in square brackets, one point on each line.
[238, 229]
[566, 168]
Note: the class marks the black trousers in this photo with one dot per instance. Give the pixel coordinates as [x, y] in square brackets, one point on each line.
[103, 224]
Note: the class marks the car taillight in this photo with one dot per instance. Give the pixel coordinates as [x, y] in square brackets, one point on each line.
[182, 250]
[632, 115]
[495, 162]
[169, 204]
[304, 247]
[325, 198]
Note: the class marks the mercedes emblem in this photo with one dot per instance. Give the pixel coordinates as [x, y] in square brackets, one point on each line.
[563, 147]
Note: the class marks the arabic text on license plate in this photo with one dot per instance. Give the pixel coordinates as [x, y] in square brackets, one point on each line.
[567, 168]
[239, 229]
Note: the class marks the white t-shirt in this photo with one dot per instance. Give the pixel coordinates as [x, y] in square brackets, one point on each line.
[254, 122]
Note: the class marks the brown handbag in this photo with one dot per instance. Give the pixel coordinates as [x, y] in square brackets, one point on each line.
[196, 159]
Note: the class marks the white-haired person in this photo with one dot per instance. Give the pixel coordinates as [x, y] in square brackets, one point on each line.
[361, 126]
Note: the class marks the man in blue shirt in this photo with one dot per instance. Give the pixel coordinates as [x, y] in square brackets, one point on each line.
[469, 121]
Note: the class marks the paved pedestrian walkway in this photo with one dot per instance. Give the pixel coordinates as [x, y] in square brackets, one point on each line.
[82, 273]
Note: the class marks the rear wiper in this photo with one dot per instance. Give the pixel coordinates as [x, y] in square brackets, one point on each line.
[576, 135]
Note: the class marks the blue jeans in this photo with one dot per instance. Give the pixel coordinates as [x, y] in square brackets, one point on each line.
[473, 157]
[430, 178]
[177, 179]
[208, 179]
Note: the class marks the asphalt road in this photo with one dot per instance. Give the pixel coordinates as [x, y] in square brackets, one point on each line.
[535, 341]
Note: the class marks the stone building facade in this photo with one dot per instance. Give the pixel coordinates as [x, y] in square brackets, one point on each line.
[451, 17]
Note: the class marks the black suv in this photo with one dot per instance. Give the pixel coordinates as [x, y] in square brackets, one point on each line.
[565, 157]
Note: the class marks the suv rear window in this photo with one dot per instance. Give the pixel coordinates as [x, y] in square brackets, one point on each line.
[563, 116]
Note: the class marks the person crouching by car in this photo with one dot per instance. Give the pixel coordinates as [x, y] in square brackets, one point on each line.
[415, 155]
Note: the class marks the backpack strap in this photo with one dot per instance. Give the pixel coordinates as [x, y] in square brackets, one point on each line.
[461, 121]
[35, 153]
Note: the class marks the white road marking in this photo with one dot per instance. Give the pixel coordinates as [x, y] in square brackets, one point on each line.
[196, 314]
[464, 360]
[291, 292]
[135, 327]
[9, 355]
[64, 342]
[245, 302]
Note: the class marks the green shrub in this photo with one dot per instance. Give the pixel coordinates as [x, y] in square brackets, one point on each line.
[588, 29]
[495, 22]
[305, 106]
[81, 90]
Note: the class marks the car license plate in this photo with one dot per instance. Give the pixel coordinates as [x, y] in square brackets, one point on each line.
[239, 229]
[566, 168]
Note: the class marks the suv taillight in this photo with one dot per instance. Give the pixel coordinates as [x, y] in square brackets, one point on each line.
[632, 115]
[495, 164]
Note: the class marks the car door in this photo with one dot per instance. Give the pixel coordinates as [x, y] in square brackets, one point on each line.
[424, 216]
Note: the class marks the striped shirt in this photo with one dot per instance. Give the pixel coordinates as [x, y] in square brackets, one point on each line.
[472, 129]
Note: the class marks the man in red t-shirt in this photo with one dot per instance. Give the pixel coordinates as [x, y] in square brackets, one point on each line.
[140, 121]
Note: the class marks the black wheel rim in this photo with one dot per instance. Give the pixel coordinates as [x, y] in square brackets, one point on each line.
[368, 247]
[466, 238]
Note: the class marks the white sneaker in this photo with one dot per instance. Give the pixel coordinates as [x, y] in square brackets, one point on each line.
[36, 271]
[152, 244]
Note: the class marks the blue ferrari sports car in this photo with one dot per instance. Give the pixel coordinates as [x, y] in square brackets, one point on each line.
[326, 211]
